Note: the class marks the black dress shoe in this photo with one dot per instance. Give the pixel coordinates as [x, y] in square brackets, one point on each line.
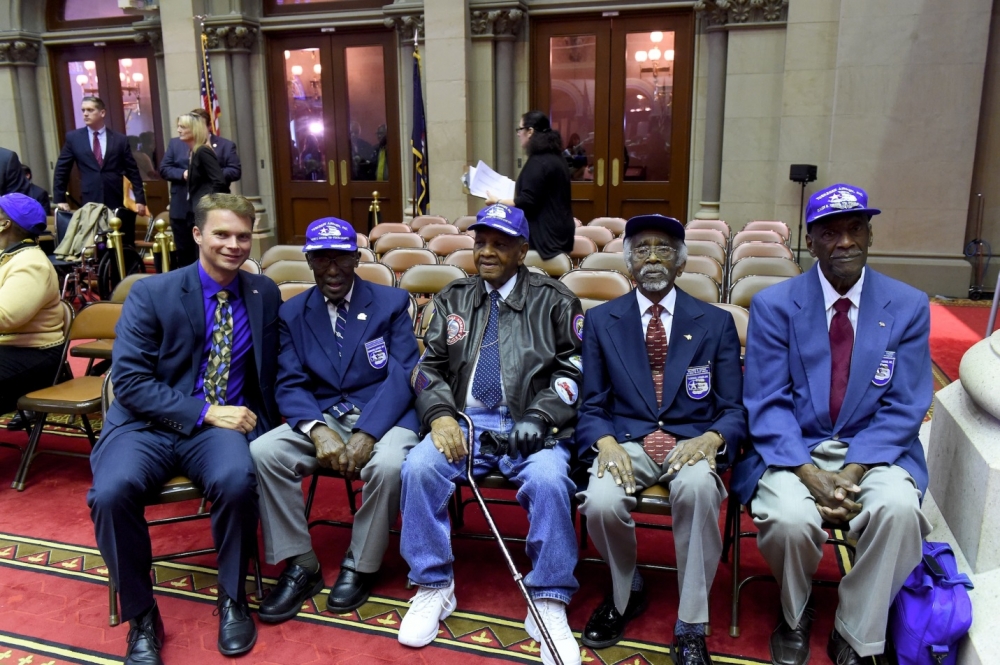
[790, 646]
[351, 590]
[690, 650]
[145, 639]
[21, 420]
[295, 586]
[237, 631]
[842, 653]
[606, 626]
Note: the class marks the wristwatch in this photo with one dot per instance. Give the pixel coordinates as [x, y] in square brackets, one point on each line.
[722, 448]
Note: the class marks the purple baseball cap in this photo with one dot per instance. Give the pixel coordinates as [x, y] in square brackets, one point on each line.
[330, 233]
[667, 225]
[836, 200]
[24, 211]
[503, 218]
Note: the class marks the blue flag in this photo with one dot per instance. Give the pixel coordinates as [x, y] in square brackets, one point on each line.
[418, 144]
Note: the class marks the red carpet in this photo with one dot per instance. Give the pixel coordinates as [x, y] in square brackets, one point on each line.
[955, 326]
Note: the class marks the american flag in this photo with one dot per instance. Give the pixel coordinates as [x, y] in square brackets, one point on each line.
[209, 100]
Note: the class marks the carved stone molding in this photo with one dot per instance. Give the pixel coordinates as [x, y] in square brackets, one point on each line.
[723, 14]
[406, 25]
[496, 22]
[153, 37]
[19, 52]
[232, 37]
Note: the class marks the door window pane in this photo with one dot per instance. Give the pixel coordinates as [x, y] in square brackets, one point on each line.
[573, 71]
[366, 113]
[137, 103]
[649, 84]
[79, 10]
[83, 83]
[305, 110]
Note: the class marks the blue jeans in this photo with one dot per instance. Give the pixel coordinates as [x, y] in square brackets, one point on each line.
[544, 491]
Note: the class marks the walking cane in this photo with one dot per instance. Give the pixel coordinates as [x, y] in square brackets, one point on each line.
[518, 578]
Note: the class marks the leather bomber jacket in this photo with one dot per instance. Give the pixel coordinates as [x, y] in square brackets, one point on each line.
[541, 325]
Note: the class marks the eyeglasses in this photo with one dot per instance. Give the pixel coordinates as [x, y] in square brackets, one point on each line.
[662, 252]
[518, 130]
[322, 262]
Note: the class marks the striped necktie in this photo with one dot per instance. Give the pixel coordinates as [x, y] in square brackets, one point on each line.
[658, 444]
[342, 308]
[486, 384]
[220, 353]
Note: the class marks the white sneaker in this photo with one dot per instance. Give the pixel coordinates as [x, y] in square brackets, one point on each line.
[427, 609]
[553, 613]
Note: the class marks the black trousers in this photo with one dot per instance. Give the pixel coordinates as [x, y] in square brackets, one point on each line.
[131, 465]
[23, 370]
[187, 248]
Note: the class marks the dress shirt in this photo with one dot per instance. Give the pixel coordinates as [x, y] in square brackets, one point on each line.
[471, 401]
[666, 316]
[331, 308]
[102, 137]
[242, 340]
[830, 296]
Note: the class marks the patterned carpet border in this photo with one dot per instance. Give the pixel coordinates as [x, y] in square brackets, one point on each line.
[498, 637]
[22, 650]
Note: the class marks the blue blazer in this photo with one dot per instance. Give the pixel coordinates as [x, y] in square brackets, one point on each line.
[373, 373]
[177, 159]
[787, 388]
[98, 184]
[12, 178]
[160, 339]
[618, 394]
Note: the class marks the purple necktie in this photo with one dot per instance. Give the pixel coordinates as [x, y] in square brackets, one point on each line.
[97, 152]
[841, 346]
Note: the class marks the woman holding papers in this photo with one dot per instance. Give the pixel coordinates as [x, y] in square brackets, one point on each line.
[543, 187]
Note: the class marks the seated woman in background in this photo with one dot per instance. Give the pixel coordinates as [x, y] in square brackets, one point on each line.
[31, 318]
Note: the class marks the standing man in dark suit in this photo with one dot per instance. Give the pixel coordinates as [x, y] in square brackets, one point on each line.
[103, 157]
[194, 372]
[347, 351]
[12, 180]
[662, 403]
[36, 192]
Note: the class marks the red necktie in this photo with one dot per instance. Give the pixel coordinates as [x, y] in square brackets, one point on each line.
[657, 444]
[841, 347]
[97, 152]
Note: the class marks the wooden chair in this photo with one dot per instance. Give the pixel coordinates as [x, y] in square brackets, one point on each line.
[763, 265]
[614, 224]
[742, 292]
[778, 227]
[464, 222]
[281, 253]
[376, 273]
[420, 221]
[291, 289]
[616, 246]
[289, 271]
[251, 266]
[443, 245]
[582, 247]
[175, 490]
[699, 286]
[463, 259]
[607, 261]
[390, 241]
[705, 265]
[756, 236]
[713, 235]
[777, 250]
[599, 234]
[366, 255]
[555, 267]
[434, 230]
[80, 396]
[706, 248]
[407, 257]
[387, 227]
[716, 224]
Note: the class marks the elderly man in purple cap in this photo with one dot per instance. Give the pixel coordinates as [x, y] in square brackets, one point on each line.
[838, 380]
[31, 318]
[502, 348]
[662, 404]
[347, 351]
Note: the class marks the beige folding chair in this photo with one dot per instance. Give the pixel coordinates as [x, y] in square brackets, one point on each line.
[432, 230]
[705, 265]
[777, 250]
[616, 246]
[362, 240]
[712, 235]
[607, 261]
[741, 317]
[291, 289]
[443, 245]
[778, 227]
[420, 221]
[706, 248]
[582, 247]
[289, 271]
[282, 253]
[424, 281]
[763, 265]
[251, 266]
[406, 257]
[125, 286]
[615, 224]
[555, 267]
[742, 292]
[716, 224]
[390, 241]
[699, 286]
[376, 273]
[464, 222]
[596, 286]
[463, 259]
[599, 234]
[366, 255]
[756, 236]
[387, 227]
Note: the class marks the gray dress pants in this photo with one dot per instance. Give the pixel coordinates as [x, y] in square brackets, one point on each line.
[284, 457]
[696, 494]
[889, 531]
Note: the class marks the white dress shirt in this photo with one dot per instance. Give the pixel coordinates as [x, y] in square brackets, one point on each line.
[666, 316]
[471, 401]
[830, 296]
[102, 137]
[332, 311]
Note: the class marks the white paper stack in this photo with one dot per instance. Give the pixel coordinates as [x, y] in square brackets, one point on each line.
[483, 181]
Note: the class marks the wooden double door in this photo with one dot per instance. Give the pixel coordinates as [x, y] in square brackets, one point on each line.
[619, 91]
[335, 119]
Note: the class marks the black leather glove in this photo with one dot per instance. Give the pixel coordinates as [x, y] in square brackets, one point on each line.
[527, 437]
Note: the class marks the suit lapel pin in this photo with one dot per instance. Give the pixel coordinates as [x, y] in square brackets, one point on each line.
[255, 290]
[881, 324]
[362, 317]
[687, 337]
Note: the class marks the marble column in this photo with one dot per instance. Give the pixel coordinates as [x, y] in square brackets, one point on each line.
[22, 56]
[148, 32]
[717, 42]
[503, 25]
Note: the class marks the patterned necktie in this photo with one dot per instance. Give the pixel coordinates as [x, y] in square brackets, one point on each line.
[97, 152]
[342, 308]
[486, 384]
[220, 355]
[841, 348]
[658, 444]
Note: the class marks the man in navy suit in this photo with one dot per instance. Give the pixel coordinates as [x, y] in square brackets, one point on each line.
[102, 157]
[838, 380]
[347, 350]
[12, 178]
[174, 168]
[194, 370]
[662, 403]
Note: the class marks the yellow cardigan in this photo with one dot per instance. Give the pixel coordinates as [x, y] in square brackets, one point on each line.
[30, 314]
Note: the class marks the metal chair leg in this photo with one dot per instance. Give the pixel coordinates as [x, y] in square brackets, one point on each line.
[352, 500]
[734, 622]
[311, 495]
[583, 532]
[257, 577]
[90, 430]
[113, 618]
[29, 453]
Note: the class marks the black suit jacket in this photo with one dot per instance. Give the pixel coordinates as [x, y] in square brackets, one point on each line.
[204, 177]
[12, 178]
[98, 184]
[160, 339]
[177, 160]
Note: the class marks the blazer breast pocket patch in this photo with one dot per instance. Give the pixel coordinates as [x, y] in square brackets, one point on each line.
[885, 368]
[698, 381]
[378, 355]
